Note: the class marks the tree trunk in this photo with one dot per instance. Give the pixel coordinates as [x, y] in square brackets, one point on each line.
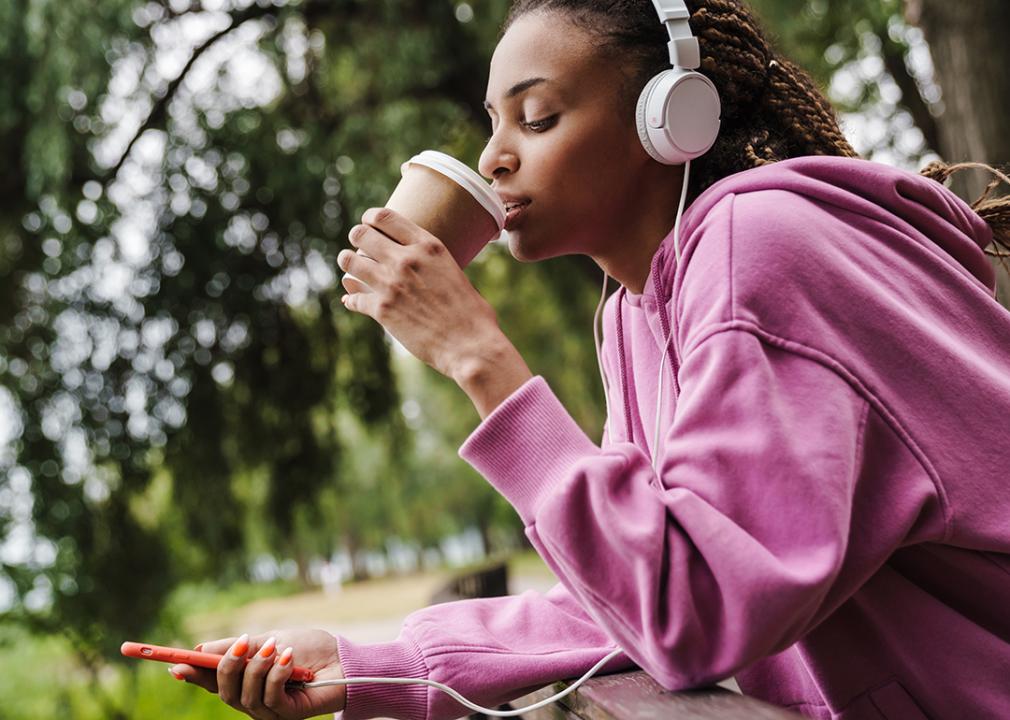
[971, 55]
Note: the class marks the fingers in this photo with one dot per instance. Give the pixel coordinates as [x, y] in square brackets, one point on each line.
[230, 671]
[373, 243]
[255, 672]
[275, 695]
[364, 269]
[202, 677]
[353, 285]
[216, 647]
[394, 225]
[366, 304]
[241, 676]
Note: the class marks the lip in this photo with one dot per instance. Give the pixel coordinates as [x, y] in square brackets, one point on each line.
[507, 198]
[515, 215]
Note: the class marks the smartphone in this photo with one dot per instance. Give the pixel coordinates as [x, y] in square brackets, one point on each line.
[145, 651]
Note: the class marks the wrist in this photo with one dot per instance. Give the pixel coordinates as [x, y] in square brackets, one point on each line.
[491, 373]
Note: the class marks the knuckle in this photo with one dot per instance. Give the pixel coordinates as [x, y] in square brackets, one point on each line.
[432, 248]
[408, 263]
[397, 289]
[384, 307]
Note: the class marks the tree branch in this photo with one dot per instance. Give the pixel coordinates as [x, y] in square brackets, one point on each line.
[911, 99]
[157, 115]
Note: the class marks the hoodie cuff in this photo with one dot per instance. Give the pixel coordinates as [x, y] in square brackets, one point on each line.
[400, 658]
[527, 445]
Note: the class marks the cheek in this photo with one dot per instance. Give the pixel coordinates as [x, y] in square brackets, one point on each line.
[595, 167]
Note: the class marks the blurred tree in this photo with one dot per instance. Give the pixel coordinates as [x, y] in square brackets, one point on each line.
[175, 361]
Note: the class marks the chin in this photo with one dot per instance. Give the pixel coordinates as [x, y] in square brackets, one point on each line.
[524, 252]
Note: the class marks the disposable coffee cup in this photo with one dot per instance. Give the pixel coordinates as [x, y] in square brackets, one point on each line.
[451, 201]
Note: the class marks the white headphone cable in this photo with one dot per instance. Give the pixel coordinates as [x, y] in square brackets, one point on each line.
[456, 695]
[599, 352]
[669, 332]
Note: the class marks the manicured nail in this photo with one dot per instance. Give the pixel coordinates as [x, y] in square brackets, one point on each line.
[268, 647]
[241, 646]
[174, 674]
[286, 657]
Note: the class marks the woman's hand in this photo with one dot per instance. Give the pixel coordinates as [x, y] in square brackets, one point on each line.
[257, 688]
[418, 293]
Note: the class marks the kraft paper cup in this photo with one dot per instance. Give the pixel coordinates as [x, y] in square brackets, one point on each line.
[451, 201]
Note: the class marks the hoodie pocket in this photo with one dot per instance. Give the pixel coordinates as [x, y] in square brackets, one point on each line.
[889, 702]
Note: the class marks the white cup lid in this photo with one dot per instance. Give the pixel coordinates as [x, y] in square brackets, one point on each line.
[463, 175]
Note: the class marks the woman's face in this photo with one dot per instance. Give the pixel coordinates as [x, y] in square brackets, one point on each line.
[560, 139]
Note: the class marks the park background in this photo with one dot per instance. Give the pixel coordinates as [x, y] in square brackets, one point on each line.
[196, 439]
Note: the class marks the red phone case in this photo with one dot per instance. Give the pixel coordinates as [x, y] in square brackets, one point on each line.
[145, 651]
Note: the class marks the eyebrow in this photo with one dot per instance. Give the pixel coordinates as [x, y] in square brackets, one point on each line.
[517, 89]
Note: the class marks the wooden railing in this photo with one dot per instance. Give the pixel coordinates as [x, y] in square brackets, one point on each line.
[488, 580]
[636, 696]
[618, 696]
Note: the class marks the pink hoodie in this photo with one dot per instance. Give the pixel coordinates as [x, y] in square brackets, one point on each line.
[830, 519]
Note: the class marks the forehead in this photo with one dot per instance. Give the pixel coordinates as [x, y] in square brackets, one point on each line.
[547, 45]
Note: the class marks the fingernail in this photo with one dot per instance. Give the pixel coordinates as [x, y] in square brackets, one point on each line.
[268, 647]
[241, 646]
[173, 673]
[286, 657]
[199, 647]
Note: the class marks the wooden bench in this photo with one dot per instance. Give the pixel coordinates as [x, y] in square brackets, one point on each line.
[636, 696]
[490, 579]
[619, 696]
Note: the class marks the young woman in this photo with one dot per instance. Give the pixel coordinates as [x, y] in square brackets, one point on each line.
[820, 516]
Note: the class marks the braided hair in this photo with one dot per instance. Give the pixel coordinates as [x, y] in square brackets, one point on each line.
[771, 108]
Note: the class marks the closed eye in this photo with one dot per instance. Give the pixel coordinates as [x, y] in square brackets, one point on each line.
[540, 125]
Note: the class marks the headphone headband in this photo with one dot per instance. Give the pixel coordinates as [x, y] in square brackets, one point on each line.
[683, 45]
[678, 110]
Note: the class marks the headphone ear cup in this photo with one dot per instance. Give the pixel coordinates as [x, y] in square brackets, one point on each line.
[678, 116]
[640, 121]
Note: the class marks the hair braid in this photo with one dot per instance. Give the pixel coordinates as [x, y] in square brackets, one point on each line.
[995, 211]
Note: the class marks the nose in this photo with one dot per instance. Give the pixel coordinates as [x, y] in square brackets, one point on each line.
[496, 160]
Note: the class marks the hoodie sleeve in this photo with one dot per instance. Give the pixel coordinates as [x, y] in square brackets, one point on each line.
[490, 650]
[730, 552]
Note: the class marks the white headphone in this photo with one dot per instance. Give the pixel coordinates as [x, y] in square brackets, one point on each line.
[678, 110]
[678, 120]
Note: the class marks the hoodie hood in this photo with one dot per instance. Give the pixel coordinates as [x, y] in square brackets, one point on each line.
[922, 207]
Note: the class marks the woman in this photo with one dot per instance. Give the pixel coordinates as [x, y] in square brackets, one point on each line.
[820, 517]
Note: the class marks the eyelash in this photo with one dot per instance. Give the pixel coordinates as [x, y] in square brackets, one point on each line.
[537, 126]
[541, 124]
